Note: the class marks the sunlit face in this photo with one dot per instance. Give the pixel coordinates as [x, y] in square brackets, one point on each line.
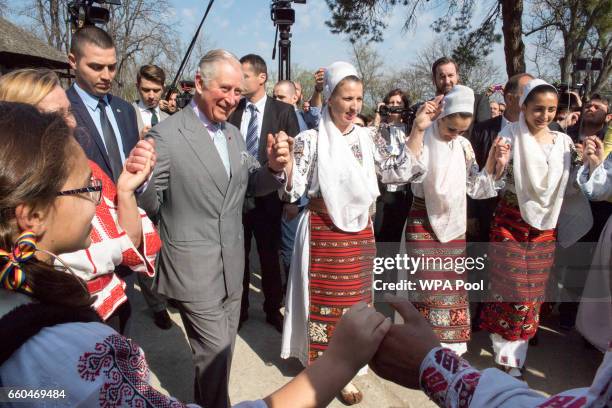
[345, 103]
[396, 101]
[220, 96]
[540, 110]
[494, 109]
[57, 101]
[595, 112]
[298, 91]
[452, 126]
[252, 81]
[67, 224]
[150, 92]
[94, 68]
[284, 93]
[446, 77]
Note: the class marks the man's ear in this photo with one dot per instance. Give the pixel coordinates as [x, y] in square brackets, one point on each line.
[263, 77]
[72, 60]
[199, 83]
[30, 219]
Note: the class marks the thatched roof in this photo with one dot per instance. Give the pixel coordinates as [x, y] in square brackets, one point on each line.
[20, 49]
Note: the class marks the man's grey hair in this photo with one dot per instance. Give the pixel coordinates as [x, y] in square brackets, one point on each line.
[207, 66]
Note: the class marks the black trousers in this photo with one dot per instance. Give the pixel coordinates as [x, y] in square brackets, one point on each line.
[264, 223]
[118, 320]
[392, 208]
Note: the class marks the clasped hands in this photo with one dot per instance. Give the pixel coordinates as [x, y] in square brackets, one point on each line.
[278, 149]
[393, 351]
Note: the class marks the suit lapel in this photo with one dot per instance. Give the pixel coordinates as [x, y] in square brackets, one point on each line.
[235, 158]
[201, 143]
[83, 116]
[266, 127]
[121, 117]
[236, 117]
[498, 124]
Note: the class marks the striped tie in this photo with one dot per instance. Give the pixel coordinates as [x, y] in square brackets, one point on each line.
[252, 132]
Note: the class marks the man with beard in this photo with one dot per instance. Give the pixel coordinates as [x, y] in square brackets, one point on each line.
[594, 119]
[445, 75]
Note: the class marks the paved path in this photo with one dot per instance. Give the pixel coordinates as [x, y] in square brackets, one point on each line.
[560, 361]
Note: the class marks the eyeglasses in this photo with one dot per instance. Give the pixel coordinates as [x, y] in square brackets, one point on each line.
[93, 191]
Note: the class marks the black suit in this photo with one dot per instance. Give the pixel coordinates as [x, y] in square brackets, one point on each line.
[90, 139]
[262, 215]
[482, 137]
[92, 142]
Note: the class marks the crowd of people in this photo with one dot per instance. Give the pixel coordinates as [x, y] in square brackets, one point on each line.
[98, 194]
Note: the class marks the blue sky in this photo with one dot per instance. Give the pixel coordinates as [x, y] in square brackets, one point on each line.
[244, 26]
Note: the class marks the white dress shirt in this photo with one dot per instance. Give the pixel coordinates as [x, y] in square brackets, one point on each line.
[246, 116]
[146, 115]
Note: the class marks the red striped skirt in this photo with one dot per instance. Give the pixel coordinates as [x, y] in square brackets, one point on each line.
[340, 275]
[520, 259]
[447, 309]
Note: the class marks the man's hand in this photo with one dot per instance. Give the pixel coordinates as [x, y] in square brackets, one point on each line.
[405, 346]
[290, 211]
[144, 132]
[279, 149]
[319, 78]
[570, 120]
[428, 113]
[594, 152]
[357, 336]
[138, 166]
[163, 104]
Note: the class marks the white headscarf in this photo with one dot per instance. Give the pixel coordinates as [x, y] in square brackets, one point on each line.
[444, 185]
[348, 187]
[541, 182]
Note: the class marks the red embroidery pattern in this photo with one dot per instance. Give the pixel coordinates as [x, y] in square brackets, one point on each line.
[124, 371]
[434, 385]
[465, 388]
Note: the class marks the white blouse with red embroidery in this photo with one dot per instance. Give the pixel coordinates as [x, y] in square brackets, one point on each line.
[111, 247]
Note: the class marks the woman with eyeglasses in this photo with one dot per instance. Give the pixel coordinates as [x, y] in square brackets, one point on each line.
[121, 233]
[55, 348]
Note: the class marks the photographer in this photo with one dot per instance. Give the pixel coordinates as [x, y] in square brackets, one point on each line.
[394, 202]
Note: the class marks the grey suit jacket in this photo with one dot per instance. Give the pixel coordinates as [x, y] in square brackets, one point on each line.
[200, 208]
[162, 115]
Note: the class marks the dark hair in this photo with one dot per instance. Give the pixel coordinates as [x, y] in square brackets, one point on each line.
[35, 161]
[443, 61]
[151, 73]
[90, 35]
[366, 119]
[601, 98]
[258, 63]
[512, 86]
[396, 92]
[538, 90]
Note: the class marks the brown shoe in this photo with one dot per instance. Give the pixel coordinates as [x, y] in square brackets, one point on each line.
[351, 395]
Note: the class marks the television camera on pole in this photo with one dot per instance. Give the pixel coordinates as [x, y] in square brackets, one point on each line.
[83, 12]
[283, 17]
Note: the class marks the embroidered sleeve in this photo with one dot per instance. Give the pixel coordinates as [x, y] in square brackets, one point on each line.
[304, 155]
[395, 163]
[448, 379]
[480, 184]
[598, 185]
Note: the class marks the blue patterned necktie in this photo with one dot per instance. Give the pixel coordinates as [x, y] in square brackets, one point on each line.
[252, 132]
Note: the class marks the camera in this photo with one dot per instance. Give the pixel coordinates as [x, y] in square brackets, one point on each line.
[408, 113]
[84, 13]
[386, 110]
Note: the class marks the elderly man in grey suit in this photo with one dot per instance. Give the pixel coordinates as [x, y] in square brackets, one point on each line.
[197, 190]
